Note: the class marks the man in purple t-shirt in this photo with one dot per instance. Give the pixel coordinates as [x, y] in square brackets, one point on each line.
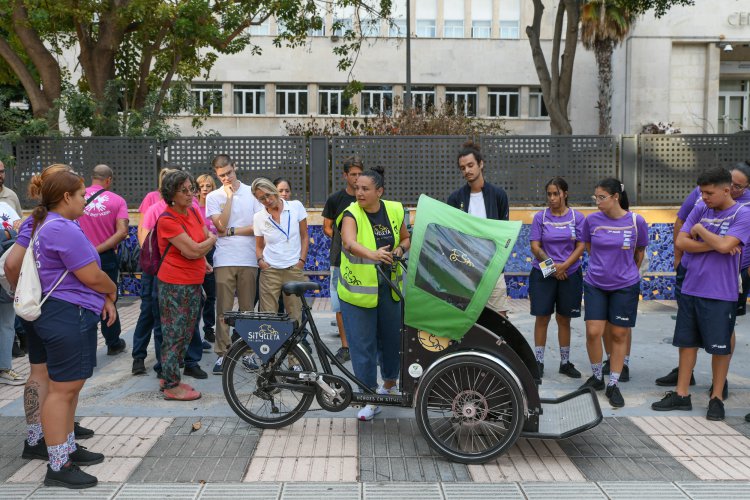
[105, 224]
[713, 234]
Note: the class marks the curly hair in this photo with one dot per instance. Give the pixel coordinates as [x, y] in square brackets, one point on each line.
[172, 182]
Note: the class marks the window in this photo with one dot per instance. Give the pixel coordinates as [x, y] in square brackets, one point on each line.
[207, 98]
[504, 102]
[343, 19]
[537, 108]
[453, 15]
[332, 101]
[249, 100]
[481, 18]
[426, 15]
[463, 100]
[733, 106]
[423, 98]
[262, 29]
[510, 18]
[291, 100]
[370, 26]
[397, 23]
[319, 31]
[377, 100]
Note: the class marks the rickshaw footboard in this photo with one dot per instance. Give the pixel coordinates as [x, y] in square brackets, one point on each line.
[569, 415]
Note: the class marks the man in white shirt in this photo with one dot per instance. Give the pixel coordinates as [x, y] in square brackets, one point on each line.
[231, 208]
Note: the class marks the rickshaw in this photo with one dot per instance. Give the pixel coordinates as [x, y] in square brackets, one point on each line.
[469, 374]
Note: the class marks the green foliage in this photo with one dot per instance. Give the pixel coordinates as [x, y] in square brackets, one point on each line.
[441, 121]
[660, 6]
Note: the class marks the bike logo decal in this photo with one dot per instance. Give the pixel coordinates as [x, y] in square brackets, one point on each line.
[264, 349]
[415, 370]
[433, 343]
[264, 337]
[265, 332]
[461, 258]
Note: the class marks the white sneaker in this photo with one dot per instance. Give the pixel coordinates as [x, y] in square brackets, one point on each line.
[11, 377]
[393, 391]
[368, 412]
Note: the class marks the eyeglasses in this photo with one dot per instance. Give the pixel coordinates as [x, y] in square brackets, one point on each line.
[265, 197]
[600, 198]
[737, 187]
[190, 190]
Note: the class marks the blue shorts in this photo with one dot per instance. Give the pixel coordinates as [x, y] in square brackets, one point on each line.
[551, 294]
[706, 323]
[679, 277]
[68, 336]
[619, 307]
[742, 299]
[335, 277]
[34, 344]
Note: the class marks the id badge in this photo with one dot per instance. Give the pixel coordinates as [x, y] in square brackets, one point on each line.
[547, 267]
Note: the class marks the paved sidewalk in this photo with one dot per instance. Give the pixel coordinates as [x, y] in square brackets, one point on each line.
[153, 450]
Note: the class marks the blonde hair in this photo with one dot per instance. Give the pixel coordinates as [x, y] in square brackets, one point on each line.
[206, 177]
[264, 184]
[36, 182]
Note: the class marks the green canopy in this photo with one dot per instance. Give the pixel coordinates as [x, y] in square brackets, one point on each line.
[454, 263]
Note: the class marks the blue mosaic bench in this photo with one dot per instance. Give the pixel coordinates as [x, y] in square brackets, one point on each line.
[658, 282]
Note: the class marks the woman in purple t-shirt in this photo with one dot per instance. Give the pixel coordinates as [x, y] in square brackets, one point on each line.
[78, 292]
[615, 240]
[556, 236]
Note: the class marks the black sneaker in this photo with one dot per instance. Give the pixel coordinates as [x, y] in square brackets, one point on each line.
[195, 372]
[540, 367]
[82, 456]
[116, 349]
[343, 355]
[36, 452]
[670, 379]
[625, 374]
[17, 352]
[673, 401]
[747, 417]
[82, 432]
[724, 392]
[595, 383]
[614, 396]
[569, 369]
[139, 367]
[69, 476]
[209, 335]
[715, 409]
[605, 367]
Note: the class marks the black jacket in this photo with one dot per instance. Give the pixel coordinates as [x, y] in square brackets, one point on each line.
[495, 200]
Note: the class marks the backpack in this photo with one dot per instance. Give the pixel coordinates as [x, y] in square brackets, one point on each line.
[150, 257]
[5, 295]
[28, 301]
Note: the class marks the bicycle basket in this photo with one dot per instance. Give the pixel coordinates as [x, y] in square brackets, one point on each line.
[265, 333]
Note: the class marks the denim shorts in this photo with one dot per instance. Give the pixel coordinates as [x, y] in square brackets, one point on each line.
[706, 323]
[548, 295]
[619, 307]
[67, 334]
[742, 299]
[335, 277]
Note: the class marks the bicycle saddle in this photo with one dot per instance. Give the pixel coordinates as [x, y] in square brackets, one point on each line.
[299, 287]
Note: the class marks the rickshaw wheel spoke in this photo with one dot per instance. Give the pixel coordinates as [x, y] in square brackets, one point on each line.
[470, 409]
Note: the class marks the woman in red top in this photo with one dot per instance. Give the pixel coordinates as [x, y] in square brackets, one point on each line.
[183, 243]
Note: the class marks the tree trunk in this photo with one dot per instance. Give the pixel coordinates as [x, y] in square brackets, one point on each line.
[603, 52]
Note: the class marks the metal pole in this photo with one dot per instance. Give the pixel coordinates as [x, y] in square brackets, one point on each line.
[407, 95]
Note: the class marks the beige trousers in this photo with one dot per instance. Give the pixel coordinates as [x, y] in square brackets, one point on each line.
[271, 281]
[231, 280]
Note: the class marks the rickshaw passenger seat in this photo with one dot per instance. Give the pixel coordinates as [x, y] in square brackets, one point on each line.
[299, 287]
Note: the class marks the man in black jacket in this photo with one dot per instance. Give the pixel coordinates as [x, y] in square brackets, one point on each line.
[482, 199]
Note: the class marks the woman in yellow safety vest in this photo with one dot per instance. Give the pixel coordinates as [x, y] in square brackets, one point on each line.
[372, 232]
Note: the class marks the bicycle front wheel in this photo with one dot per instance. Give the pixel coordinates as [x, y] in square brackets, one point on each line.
[249, 388]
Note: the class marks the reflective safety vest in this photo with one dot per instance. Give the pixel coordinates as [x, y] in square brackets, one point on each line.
[359, 278]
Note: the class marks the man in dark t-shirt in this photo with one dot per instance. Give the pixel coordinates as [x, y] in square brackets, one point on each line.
[334, 206]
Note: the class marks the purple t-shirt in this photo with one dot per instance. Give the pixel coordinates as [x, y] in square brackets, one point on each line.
[24, 232]
[558, 235]
[690, 201]
[611, 262]
[61, 245]
[714, 275]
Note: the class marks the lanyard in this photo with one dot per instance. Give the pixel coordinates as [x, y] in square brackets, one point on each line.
[288, 223]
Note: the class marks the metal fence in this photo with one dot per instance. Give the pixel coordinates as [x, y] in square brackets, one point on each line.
[657, 169]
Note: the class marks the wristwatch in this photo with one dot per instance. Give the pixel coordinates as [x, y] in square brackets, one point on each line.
[231, 231]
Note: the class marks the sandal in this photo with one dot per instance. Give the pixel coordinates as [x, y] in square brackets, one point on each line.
[190, 395]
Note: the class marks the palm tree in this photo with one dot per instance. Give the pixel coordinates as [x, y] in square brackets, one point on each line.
[604, 25]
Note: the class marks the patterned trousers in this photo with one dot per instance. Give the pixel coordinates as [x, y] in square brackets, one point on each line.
[179, 306]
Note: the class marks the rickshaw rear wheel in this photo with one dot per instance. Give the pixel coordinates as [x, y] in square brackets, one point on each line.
[250, 392]
[469, 409]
